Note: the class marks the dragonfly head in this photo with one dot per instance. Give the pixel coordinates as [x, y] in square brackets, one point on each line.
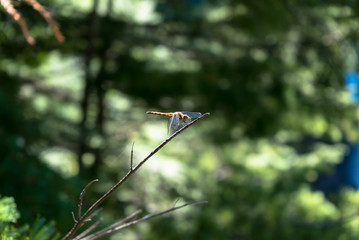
[185, 117]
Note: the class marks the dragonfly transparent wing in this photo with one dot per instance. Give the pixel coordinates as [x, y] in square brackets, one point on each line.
[192, 115]
[174, 122]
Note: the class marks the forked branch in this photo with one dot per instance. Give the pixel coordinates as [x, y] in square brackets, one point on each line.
[117, 227]
[81, 220]
[25, 31]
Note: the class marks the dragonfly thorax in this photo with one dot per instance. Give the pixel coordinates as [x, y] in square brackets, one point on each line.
[182, 116]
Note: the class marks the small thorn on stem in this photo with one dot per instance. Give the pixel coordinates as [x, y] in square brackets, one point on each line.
[131, 163]
[73, 216]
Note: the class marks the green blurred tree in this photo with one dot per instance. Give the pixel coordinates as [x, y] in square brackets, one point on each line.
[271, 74]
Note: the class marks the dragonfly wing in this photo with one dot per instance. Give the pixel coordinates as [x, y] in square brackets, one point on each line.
[174, 122]
[169, 125]
[192, 115]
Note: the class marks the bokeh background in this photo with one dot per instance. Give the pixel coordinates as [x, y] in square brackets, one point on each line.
[270, 157]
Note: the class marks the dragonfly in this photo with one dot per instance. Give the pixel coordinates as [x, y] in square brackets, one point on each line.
[178, 119]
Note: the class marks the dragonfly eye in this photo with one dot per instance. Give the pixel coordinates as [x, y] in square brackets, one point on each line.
[185, 118]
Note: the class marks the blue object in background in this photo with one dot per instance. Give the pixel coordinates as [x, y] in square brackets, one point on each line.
[352, 82]
[346, 174]
[351, 167]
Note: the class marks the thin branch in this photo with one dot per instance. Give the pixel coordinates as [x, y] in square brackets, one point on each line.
[113, 226]
[176, 201]
[88, 230]
[73, 217]
[80, 222]
[126, 219]
[25, 31]
[17, 17]
[131, 164]
[92, 215]
[112, 229]
[82, 196]
[169, 139]
[47, 16]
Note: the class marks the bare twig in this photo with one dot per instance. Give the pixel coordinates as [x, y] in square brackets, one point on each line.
[113, 229]
[131, 164]
[17, 17]
[47, 16]
[82, 196]
[73, 217]
[88, 230]
[25, 31]
[92, 215]
[176, 202]
[81, 220]
[126, 219]
[113, 226]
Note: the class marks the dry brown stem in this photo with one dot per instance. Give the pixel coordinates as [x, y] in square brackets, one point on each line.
[25, 31]
[84, 218]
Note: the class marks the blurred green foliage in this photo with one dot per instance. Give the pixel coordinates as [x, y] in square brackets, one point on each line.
[9, 216]
[270, 73]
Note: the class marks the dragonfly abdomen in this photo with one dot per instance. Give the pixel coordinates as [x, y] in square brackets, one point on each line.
[160, 113]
